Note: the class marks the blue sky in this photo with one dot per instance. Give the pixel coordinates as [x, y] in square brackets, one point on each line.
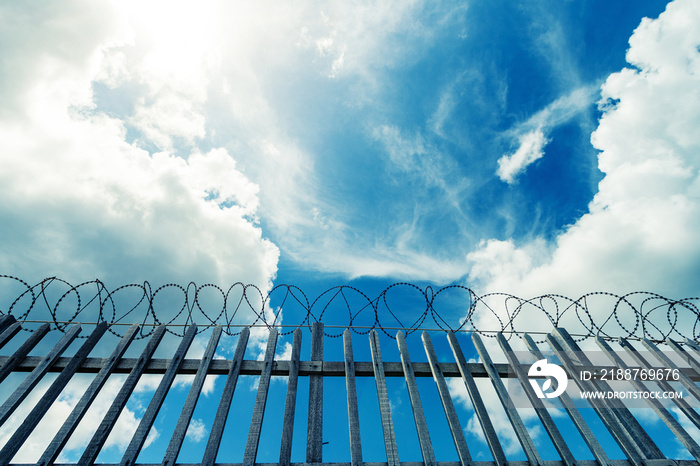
[520, 147]
[447, 142]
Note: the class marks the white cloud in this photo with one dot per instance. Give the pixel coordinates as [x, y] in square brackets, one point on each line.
[44, 432]
[414, 156]
[286, 354]
[185, 382]
[458, 392]
[196, 431]
[47, 62]
[196, 351]
[397, 252]
[81, 199]
[504, 429]
[124, 429]
[222, 71]
[501, 260]
[172, 55]
[531, 149]
[642, 224]
[689, 427]
[356, 44]
[345, 36]
[391, 259]
[170, 117]
[51, 422]
[531, 134]
[640, 231]
[148, 383]
[552, 42]
[560, 111]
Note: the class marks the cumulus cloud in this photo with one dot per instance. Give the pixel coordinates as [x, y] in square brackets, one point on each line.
[88, 193]
[642, 224]
[168, 118]
[196, 431]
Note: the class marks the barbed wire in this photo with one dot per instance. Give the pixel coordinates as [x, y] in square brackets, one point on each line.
[401, 305]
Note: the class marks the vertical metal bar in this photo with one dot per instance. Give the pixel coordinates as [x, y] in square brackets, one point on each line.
[23, 350]
[149, 417]
[314, 434]
[70, 424]
[680, 402]
[658, 408]
[353, 410]
[9, 332]
[630, 435]
[518, 426]
[191, 402]
[426, 446]
[692, 344]
[5, 321]
[686, 355]
[604, 412]
[32, 379]
[290, 402]
[559, 443]
[684, 379]
[478, 403]
[392, 453]
[452, 419]
[217, 428]
[105, 427]
[251, 448]
[574, 414]
[43, 405]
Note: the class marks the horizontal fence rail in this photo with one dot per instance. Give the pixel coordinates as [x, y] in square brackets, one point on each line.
[511, 381]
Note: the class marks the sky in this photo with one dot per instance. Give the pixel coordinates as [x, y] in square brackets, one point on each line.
[524, 148]
[517, 147]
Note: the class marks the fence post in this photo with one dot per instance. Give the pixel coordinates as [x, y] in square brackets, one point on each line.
[314, 435]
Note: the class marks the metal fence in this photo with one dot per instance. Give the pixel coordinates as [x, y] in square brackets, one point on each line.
[633, 440]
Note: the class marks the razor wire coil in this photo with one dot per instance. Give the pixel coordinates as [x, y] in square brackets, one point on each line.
[635, 315]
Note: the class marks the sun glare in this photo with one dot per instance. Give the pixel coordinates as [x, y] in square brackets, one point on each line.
[179, 35]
